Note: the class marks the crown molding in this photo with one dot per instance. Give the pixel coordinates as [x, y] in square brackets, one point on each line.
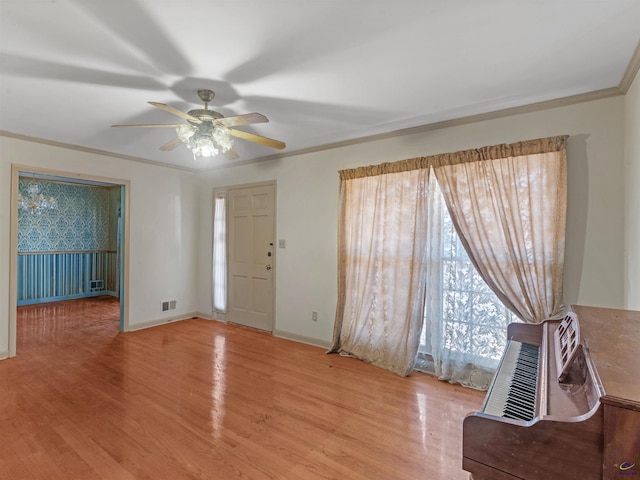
[631, 71]
[507, 112]
[95, 151]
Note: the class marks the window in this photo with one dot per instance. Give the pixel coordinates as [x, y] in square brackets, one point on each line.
[402, 266]
[476, 319]
[220, 254]
[462, 314]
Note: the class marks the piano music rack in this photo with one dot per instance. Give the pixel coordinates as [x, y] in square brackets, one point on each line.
[567, 344]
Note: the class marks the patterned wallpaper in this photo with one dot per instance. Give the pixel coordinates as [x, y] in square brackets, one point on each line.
[80, 223]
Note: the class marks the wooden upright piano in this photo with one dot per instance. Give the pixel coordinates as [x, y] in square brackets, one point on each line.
[564, 402]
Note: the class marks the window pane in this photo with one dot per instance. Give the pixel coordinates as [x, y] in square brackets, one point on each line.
[474, 321]
[220, 256]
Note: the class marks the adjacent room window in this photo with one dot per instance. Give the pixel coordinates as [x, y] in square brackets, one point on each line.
[220, 253]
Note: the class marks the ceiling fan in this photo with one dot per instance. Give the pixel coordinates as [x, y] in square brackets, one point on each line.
[207, 132]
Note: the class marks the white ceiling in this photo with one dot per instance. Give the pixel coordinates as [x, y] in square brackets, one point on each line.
[322, 71]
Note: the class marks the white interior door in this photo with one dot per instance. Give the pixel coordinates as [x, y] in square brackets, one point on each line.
[251, 256]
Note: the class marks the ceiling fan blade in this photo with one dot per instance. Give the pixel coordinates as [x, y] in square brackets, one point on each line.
[231, 154]
[252, 137]
[148, 125]
[246, 119]
[175, 111]
[171, 145]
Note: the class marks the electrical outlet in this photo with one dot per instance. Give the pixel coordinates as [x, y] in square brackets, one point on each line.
[314, 316]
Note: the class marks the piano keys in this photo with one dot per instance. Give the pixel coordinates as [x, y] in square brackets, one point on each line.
[548, 414]
[513, 394]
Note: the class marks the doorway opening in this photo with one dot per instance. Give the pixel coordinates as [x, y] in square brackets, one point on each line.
[73, 247]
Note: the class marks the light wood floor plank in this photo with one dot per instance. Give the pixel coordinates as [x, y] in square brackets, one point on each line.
[204, 400]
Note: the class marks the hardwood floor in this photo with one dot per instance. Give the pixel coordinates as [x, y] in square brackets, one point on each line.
[199, 399]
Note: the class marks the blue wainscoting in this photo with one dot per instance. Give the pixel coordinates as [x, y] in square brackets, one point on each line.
[52, 276]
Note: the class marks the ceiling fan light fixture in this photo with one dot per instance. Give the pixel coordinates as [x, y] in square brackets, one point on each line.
[185, 132]
[222, 136]
[208, 132]
[203, 147]
[205, 139]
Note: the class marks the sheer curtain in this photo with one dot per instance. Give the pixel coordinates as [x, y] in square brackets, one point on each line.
[381, 267]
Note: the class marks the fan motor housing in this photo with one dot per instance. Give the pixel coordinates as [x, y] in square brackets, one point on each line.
[205, 115]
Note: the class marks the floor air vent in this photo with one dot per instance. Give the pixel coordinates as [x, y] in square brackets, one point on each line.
[96, 285]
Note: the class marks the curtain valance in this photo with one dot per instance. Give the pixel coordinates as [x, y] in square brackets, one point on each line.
[493, 152]
[385, 168]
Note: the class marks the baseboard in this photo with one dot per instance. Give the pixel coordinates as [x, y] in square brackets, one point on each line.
[162, 321]
[4, 355]
[316, 342]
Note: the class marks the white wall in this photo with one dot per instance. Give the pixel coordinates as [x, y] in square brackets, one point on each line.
[163, 228]
[632, 208]
[307, 193]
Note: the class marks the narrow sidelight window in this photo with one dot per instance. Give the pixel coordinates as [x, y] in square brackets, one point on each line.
[220, 254]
